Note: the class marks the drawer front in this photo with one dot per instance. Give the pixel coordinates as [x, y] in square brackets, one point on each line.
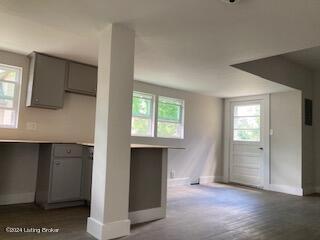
[67, 150]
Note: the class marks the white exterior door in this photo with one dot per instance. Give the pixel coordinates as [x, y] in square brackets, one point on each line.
[247, 142]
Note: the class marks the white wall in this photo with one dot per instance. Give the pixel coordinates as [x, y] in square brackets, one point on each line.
[279, 69]
[286, 141]
[203, 134]
[75, 123]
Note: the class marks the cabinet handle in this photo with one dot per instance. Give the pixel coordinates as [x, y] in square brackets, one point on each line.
[58, 163]
[68, 150]
[36, 99]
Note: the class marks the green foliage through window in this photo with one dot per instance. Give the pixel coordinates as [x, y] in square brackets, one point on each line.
[247, 135]
[142, 114]
[246, 123]
[141, 105]
[169, 112]
[170, 118]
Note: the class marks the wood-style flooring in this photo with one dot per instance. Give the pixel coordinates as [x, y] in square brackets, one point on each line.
[199, 212]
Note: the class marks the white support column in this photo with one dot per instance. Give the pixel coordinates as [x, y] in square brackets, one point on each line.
[111, 166]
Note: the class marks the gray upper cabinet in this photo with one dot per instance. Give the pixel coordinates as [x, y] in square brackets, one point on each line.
[82, 78]
[46, 82]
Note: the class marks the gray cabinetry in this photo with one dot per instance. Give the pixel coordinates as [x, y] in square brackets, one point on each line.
[66, 179]
[59, 181]
[82, 78]
[46, 82]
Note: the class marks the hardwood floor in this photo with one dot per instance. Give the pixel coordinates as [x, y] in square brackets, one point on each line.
[211, 212]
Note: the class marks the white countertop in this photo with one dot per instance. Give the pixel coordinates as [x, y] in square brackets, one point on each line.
[132, 145]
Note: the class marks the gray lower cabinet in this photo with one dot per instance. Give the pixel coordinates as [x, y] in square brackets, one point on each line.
[66, 179]
[82, 78]
[59, 181]
[46, 81]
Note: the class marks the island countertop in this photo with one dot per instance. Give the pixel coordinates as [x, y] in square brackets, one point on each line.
[132, 145]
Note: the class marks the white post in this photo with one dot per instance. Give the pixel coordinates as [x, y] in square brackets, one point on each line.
[111, 165]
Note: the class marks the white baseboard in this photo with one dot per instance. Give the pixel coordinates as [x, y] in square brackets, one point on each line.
[210, 179]
[17, 198]
[108, 230]
[147, 215]
[173, 182]
[285, 189]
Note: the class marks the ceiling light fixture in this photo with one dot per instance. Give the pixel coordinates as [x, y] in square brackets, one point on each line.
[231, 2]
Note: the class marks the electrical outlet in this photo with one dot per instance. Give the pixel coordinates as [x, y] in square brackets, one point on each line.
[172, 174]
[32, 126]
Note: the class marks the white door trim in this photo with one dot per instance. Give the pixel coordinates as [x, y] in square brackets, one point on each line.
[227, 140]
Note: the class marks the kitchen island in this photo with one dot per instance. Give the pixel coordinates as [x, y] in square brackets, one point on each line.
[148, 177]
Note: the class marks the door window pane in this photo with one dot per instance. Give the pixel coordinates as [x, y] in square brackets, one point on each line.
[247, 110]
[246, 135]
[246, 123]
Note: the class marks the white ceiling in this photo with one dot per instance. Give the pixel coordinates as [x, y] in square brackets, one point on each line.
[186, 44]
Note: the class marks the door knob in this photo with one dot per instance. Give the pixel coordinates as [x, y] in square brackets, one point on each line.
[261, 148]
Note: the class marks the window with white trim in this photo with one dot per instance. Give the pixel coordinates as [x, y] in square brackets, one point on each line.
[170, 118]
[10, 78]
[142, 123]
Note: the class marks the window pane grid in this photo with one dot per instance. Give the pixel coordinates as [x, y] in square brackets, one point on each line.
[9, 95]
[142, 114]
[170, 117]
[7, 102]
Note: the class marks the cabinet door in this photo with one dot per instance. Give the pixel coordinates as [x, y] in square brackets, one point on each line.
[48, 82]
[82, 78]
[66, 179]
